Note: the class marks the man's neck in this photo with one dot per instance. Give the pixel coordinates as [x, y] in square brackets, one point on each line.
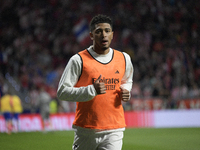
[100, 51]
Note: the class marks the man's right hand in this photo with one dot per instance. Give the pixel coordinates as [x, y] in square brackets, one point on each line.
[99, 86]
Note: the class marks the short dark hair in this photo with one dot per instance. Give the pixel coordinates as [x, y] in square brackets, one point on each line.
[100, 19]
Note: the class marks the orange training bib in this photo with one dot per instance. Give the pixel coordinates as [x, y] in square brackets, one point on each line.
[104, 111]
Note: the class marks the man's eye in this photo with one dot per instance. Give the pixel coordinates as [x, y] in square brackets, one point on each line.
[98, 31]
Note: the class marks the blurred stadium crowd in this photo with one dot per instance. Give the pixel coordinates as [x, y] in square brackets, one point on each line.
[37, 39]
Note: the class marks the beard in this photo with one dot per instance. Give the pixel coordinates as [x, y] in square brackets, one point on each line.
[104, 48]
[99, 47]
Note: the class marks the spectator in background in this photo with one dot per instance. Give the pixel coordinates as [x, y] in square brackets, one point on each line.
[194, 91]
[159, 32]
[17, 109]
[6, 109]
[44, 100]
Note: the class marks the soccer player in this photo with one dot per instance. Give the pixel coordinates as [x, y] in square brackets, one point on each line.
[98, 79]
[6, 109]
[44, 100]
[17, 109]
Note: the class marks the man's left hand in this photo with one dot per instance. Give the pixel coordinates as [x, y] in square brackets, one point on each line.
[125, 94]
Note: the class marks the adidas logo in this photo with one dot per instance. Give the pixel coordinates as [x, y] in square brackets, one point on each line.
[117, 72]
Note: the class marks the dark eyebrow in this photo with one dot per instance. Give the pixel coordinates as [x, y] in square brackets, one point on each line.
[103, 29]
[108, 28]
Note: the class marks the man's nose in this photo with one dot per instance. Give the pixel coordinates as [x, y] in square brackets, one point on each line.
[103, 33]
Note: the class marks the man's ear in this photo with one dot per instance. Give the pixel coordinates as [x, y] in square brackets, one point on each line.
[91, 36]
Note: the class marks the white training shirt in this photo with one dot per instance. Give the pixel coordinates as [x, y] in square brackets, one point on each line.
[66, 90]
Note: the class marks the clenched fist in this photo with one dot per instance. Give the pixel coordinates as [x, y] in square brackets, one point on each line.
[125, 94]
[99, 86]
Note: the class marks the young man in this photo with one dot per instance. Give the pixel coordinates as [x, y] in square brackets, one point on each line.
[98, 78]
[6, 109]
[44, 100]
[17, 109]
